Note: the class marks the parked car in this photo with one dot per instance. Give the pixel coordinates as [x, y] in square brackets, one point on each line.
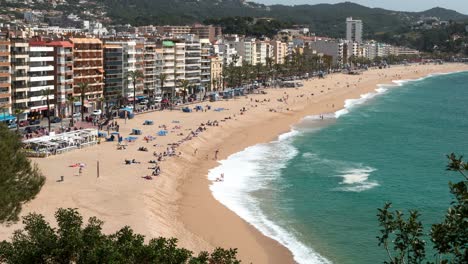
[31, 129]
[12, 125]
[34, 122]
[97, 112]
[75, 115]
[192, 97]
[23, 123]
[55, 119]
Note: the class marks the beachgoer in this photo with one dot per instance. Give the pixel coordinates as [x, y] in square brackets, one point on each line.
[80, 170]
[195, 152]
[216, 154]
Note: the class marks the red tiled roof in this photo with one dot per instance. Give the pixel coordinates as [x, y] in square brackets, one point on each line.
[65, 44]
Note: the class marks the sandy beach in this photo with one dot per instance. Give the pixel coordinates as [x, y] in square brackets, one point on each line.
[178, 203]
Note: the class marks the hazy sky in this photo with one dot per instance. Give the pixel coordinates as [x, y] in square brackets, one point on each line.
[405, 5]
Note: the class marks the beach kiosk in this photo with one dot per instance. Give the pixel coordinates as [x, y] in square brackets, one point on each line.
[239, 91]
[126, 112]
[214, 97]
[228, 94]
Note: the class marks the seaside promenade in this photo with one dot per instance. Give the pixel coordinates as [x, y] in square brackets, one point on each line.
[178, 203]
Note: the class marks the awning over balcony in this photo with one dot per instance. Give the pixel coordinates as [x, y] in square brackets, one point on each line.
[168, 43]
[87, 105]
[6, 117]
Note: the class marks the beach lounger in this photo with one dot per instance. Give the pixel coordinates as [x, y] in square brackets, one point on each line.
[136, 131]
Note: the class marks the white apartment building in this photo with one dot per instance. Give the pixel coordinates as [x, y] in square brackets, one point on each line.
[32, 78]
[41, 78]
[227, 52]
[353, 30]
[129, 63]
[206, 52]
[245, 49]
[5, 78]
[261, 52]
[280, 50]
[249, 51]
[193, 64]
[168, 57]
[181, 60]
[150, 68]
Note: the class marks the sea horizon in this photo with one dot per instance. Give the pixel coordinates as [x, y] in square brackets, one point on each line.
[241, 193]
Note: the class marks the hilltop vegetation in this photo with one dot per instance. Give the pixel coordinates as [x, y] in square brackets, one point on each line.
[239, 16]
[323, 19]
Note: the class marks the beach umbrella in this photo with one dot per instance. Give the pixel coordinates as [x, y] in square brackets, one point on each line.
[82, 165]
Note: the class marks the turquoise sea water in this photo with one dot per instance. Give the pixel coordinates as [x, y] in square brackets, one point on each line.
[317, 189]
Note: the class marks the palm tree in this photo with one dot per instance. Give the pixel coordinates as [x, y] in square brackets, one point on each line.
[162, 79]
[269, 67]
[258, 70]
[17, 112]
[46, 93]
[135, 76]
[71, 101]
[214, 84]
[83, 88]
[102, 100]
[184, 84]
[119, 100]
[224, 76]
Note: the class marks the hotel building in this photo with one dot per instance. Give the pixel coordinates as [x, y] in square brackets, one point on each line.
[113, 72]
[5, 78]
[88, 68]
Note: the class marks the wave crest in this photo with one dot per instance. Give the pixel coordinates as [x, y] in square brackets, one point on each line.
[357, 179]
[250, 171]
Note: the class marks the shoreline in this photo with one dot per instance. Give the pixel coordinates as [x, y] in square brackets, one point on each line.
[179, 203]
[369, 90]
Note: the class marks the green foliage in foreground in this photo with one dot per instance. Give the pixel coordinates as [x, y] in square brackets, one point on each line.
[73, 242]
[19, 180]
[403, 238]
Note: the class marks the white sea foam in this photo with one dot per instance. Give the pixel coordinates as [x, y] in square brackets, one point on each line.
[252, 170]
[357, 179]
[319, 117]
[288, 135]
[350, 103]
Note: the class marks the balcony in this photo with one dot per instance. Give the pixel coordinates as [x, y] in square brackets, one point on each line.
[42, 87]
[19, 74]
[41, 78]
[22, 52]
[41, 98]
[41, 68]
[39, 59]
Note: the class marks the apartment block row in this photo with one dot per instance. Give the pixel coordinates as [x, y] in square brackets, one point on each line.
[254, 51]
[39, 74]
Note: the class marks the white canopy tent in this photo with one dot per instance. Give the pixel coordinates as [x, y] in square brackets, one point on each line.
[56, 144]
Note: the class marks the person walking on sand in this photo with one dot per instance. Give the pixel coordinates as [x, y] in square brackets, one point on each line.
[195, 152]
[80, 170]
[216, 154]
